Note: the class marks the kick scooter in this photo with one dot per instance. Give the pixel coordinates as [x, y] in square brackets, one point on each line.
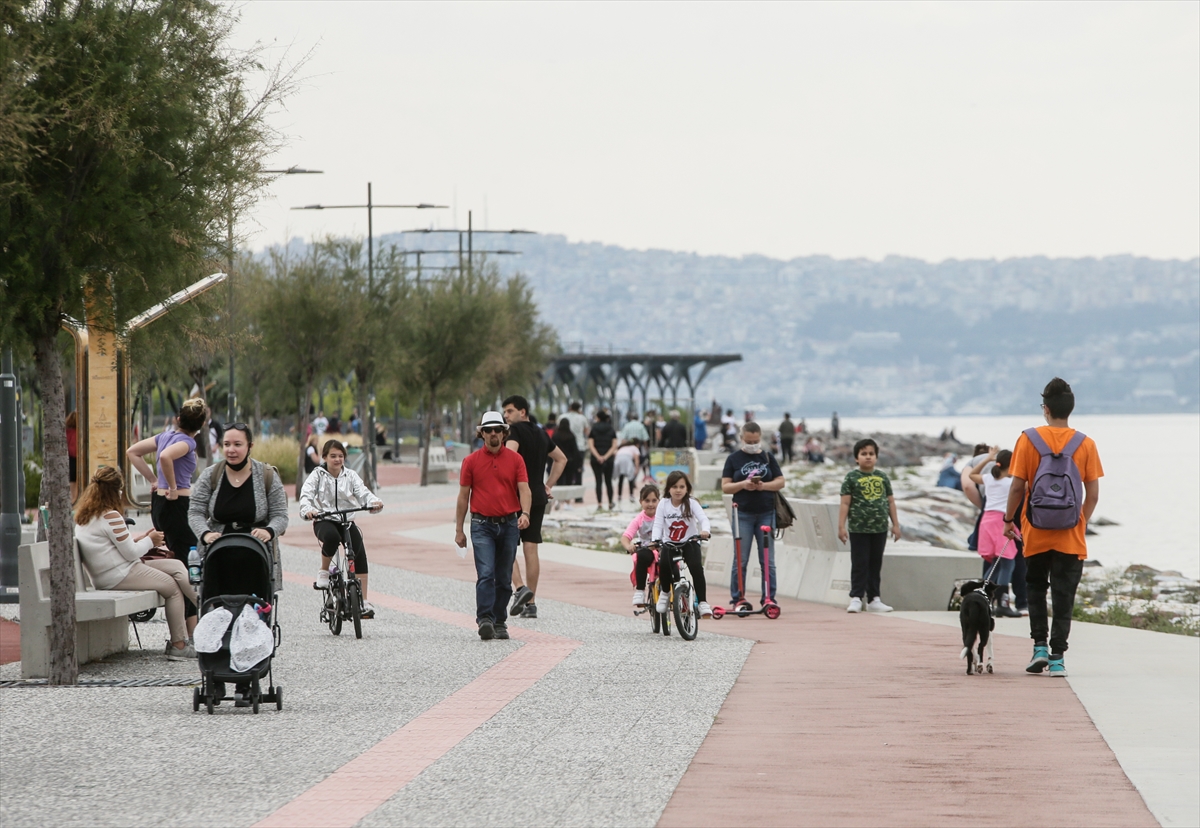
[744, 607]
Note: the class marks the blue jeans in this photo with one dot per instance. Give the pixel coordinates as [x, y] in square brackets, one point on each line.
[495, 550]
[1004, 570]
[750, 529]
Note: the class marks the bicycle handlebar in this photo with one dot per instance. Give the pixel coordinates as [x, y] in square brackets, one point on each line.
[338, 513]
[683, 542]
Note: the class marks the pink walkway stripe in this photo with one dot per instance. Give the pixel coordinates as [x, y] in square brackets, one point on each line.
[366, 782]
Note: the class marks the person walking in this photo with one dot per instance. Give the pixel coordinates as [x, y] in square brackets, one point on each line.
[579, 427]
[494, 486]
[867, 503]
[674, 433]
[1056, 475]
[564, 440]
[834, 425]
[787, 436]
[535, 448]
[634, 429]
[753, 477]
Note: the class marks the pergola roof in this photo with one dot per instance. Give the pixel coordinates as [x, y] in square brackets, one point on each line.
[584, 376]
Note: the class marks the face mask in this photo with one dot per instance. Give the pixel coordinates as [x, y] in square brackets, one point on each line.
[752, 448]
[238, 466]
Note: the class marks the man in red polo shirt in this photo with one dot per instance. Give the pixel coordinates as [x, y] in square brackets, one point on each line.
[495, 487]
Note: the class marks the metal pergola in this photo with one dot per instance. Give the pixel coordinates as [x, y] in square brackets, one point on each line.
[599, 377]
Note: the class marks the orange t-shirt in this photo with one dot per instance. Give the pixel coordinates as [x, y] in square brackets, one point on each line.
[1024, 465]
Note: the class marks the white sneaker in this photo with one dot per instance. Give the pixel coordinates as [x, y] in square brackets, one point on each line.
[855, 605]
[639, 598]
[664, 601]
[877, 605]
[323, 579]
[705, 610]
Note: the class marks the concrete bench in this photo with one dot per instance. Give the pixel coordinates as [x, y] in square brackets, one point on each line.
[567, 494]
[813, 565]
[439, 465]
[708, 478]
[101, 616]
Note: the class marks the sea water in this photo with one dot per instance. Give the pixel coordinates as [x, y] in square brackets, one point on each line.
[1151, 484]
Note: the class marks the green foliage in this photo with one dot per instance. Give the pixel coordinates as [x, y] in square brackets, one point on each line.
[281, 452]
[1117, 613]
[33, 481]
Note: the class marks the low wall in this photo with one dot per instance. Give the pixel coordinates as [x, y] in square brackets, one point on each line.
[813, 565]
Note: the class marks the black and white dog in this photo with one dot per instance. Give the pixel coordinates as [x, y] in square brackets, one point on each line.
[977, 622]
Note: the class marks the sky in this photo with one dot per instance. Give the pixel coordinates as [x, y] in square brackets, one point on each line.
[931, 130]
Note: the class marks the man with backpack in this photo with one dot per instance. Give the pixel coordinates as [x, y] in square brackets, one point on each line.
[1056, 474]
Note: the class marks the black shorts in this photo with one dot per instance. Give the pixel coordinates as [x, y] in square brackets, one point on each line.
[533, 534]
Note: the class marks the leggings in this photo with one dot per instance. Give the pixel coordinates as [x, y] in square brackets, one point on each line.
[169, 579]
[171, 518]
[621, 484]
[603, 470]
[329, 533]
[668, 573]
[645, 557]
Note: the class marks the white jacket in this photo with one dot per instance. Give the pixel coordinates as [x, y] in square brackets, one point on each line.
[325, 493]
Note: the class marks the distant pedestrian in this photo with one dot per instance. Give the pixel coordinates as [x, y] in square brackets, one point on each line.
[602, 446]
[634, 429]
[867, 503]
[674, 433]
[628, 462]
[579, 427]
[320, 423]
[536, 449]
[729, 430]
[787, 436]
[564, 439]
[999, 553]
[699, 432]
[834, 426]
[494, 487]
[753, 477]
[813, 450]
[1056, 474]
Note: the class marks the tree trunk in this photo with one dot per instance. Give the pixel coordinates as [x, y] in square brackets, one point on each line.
[427, 427]
[64, 667]
[302, 434]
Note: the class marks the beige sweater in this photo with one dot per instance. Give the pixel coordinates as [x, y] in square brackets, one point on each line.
[108, 549]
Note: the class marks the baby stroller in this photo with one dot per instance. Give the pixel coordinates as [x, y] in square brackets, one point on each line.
[239, 571]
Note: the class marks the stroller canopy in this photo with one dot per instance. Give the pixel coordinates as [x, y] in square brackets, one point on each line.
[237, 565]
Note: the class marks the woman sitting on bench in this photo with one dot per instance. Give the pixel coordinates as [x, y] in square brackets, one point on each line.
[114, 558]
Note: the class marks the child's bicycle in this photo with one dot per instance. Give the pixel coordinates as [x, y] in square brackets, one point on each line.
[683, 603]
[343, 596]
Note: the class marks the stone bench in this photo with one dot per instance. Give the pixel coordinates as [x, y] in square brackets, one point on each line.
[439, 465]
[813, 565]
[567, 494]
[101, 616]
[708, 478]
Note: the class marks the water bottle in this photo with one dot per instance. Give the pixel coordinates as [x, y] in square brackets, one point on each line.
[193, 566]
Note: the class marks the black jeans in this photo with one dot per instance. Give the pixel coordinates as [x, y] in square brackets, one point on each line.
[785, 448]
[603, 472]
[668, 573]
[866, 563]
[1060, 573]
[329, 533]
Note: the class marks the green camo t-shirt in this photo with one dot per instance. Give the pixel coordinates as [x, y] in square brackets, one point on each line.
[869, 495]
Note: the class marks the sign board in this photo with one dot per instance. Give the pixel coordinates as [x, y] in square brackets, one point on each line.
[665, 461]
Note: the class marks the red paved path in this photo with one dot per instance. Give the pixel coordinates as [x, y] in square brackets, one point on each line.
[10, 641]
[840, 719]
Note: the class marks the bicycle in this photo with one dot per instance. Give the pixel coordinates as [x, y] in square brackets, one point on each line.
[683, 603]
[343, 596]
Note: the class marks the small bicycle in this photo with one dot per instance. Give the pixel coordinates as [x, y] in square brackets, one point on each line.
[683, 603]
[343, 596]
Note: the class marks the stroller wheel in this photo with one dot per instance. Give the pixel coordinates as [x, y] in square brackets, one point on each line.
[254, 704]
[209, 702]
[195, 699]
[279, 697]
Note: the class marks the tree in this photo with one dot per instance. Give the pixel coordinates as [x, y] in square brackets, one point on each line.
[445, 336]
[529, 342]
[118, 157]
[303, 321]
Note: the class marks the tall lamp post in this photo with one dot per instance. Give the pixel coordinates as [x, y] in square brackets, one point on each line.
[232, 407]
[371, 206]
[470, 233]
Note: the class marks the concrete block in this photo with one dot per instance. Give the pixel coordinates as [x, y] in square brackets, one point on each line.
[917, 577]
[567, 493]
[707, 479]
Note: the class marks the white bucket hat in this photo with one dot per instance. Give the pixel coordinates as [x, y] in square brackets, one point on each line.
[491, 419]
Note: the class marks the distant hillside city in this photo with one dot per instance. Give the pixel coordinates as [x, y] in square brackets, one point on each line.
[895, 337]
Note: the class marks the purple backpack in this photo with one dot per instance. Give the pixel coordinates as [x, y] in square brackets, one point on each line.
[1055, 498]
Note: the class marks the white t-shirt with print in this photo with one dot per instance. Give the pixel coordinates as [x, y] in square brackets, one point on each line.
[671, 525]
[996, 492]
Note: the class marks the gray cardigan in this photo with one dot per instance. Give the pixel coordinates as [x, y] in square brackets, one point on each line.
[270, 508]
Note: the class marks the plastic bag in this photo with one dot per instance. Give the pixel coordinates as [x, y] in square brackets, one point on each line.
[210, 631]
[250, 642]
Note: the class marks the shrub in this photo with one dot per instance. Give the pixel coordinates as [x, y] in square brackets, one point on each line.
[280, 452]
[33, 481]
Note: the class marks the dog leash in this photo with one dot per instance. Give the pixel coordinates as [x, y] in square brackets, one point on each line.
[992, 571]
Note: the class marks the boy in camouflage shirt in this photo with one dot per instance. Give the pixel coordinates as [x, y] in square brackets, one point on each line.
[867, 503]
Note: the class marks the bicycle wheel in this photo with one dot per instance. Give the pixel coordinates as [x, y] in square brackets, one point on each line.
[686, 617]
[354, 598]
[666, 620]
[655, 622]
[336, 604]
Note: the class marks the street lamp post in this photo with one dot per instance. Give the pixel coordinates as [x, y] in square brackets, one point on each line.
[232, 407]
[371, 206]
[470, 233]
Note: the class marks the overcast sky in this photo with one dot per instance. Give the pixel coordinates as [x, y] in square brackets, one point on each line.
[943, 130]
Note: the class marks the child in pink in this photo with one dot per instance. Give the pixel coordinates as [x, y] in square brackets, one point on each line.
[636, 540]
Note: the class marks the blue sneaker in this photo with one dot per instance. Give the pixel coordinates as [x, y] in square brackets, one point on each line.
[1041, 659]
[1057, 668]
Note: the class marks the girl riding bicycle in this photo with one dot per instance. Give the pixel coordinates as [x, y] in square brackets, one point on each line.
[637, 537]
[680, 516]
[329, 488]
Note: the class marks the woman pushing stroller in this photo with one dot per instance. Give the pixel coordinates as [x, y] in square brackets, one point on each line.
[329, 488]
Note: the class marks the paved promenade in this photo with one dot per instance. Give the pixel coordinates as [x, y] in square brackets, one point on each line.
[586, 718]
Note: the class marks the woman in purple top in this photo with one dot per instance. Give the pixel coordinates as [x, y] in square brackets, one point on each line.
[176, 460]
